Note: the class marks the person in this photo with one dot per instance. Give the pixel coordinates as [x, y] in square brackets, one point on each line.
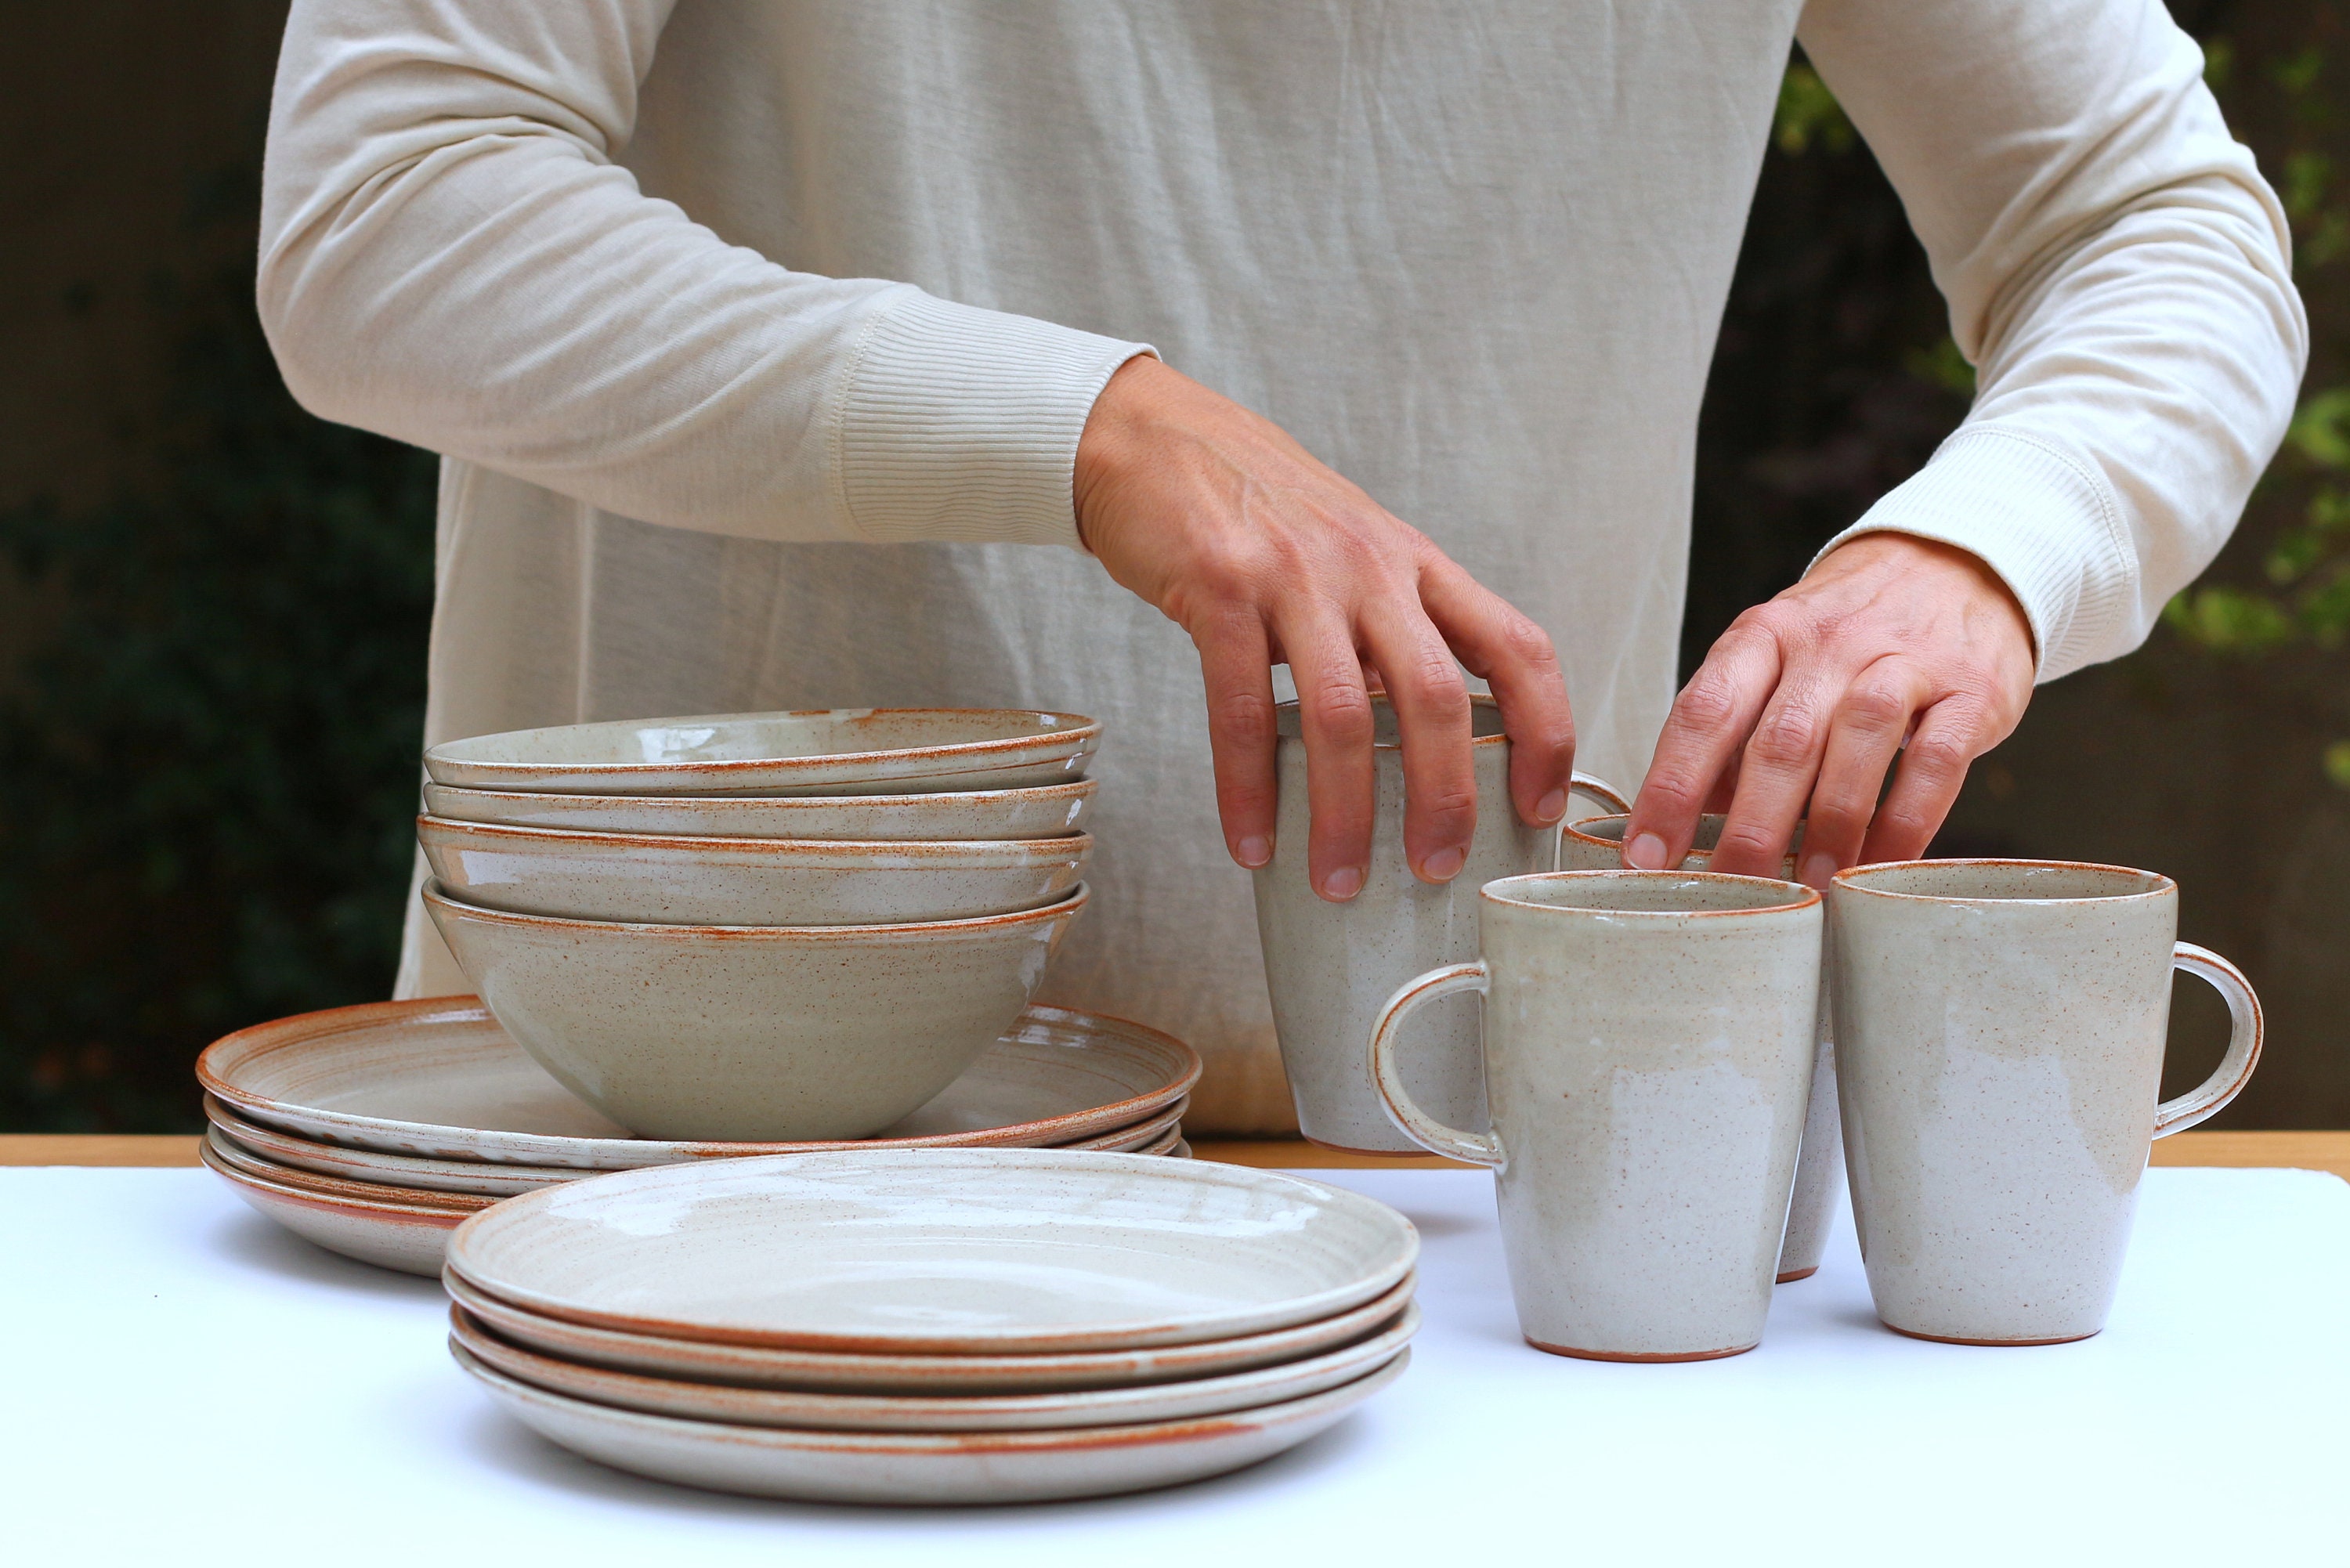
[1129, 358]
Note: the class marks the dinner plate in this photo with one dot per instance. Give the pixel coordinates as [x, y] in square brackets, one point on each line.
[754, 1366]
[940, 1250]
[839, 751]
[224, 1149]
[402, 1236]
[925, 1468]
[1047, 811]
[1150, 1136]
[437, 1078]
[943, 1413]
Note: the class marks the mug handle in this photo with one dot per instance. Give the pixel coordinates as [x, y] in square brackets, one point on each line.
[1603, 790]
[2235, 1069]
[1386, 1074]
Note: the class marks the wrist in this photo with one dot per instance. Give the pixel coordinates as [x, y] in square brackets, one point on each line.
[1112, 435]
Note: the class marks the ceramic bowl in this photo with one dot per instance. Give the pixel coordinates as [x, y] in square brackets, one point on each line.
[925, 1468]
[437, 1080]
[752, 1032]
[1047, 811]
[936, 1413]
[840, 751]
[677, 881]
[408, 1237]
[996, 1252]
[757, 1367]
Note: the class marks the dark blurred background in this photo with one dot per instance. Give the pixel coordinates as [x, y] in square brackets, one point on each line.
[213, 607]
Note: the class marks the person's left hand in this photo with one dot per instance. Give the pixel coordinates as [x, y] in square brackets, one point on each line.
[1892, 644]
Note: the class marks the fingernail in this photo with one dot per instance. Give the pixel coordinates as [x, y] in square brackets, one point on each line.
[1551, 807]
[1343, 883]
[1254, 851]
[1819, 870]
[1444, 865]
[1646, 852]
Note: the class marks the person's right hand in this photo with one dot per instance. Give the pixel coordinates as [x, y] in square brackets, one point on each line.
[1266, 556]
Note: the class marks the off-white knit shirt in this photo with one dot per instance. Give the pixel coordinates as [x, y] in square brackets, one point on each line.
[758, 336]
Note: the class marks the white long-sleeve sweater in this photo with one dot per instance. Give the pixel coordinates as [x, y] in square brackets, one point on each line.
[758, 336]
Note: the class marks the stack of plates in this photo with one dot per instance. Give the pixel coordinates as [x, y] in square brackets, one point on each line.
[377, 1131]
[955, 1326]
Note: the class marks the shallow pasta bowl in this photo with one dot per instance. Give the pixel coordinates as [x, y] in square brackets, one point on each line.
[840, 751]
[672, 880]
[1045, 810]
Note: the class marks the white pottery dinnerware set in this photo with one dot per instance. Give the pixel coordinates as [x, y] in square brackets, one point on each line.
[759, 927]
[376, 1130]
[933, 1326]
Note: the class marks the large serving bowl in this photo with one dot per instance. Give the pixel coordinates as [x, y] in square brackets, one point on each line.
[752, 1032]
[1045, 811]
[668, 880]
[841, 751]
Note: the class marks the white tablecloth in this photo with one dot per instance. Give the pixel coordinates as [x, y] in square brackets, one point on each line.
[187, 1384]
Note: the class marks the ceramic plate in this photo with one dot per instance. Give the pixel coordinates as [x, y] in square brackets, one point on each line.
[924, 1374]
[400, 1236]
[940, 1250]
[1048, 812]
[840, 751]
[900, 1413]
[224, 1149]
[437, 1078]
[925, 1468]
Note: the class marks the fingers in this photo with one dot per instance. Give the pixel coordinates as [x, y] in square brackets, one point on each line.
[1235, 660]
[1703, 733]
[1950, 736]
[1336, 721]
[1431, 708]
[1514, 657]
[1864, 737]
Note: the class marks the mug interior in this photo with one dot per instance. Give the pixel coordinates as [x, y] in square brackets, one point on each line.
[2003, 881]
[1707, 839]
[1484, 720]
[1650, 892]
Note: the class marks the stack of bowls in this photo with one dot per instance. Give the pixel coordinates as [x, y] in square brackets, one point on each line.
[766, 926]
[980, 1325]
[376, 1130]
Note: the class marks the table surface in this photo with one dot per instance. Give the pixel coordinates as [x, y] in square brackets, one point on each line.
[191, 1384]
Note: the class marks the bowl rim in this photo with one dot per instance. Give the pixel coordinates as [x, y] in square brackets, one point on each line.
[1026, 850]
[1080, 731]
[1063, 789]
[434, 895]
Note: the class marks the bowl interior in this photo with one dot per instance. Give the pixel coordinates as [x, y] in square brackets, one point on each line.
[758, 737]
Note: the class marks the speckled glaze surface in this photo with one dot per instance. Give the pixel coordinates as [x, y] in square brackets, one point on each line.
[757, 1367]
[942, 1468]
[436, 1079]
[940, 1251]
[228, 1152]
[1597, 844]
[670, 880]
[751, 1031]
[1047, 811]
[408, 1237]
[2000, 1033]
[1329, 966]
[1647, 1047]
[839, 751]
[816, 1411]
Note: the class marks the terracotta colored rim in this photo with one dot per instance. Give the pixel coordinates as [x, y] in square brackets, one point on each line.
[261, 1167]
[406, 1213]
[1476, 699]
[982, 755]
[1854, 880]
[1991, 1344]
[985, 853]
[1640, 1358]
[302, 1028]
[1809, 896]
[1073, 789]
[1792, 1275]
[1060, 908]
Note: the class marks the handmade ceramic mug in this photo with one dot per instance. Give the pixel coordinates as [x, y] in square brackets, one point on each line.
[1597, 844]
[1329, 966]
[1648, 1054]
[2000, 1028]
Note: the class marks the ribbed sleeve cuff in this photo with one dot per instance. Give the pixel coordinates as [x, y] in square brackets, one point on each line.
[2039, 517]
[957, 423]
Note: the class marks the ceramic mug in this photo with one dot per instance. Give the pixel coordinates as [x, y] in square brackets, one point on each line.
[1647, 1053]
[1597, 844]
[2000, 1028]
[1329, 966]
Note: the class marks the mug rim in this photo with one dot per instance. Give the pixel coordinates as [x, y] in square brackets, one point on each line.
[1476, 699]
[1848, 880]
[1810, 896]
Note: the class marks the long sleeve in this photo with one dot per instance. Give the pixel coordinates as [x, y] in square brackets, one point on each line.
[450, 255]
[2116, 271]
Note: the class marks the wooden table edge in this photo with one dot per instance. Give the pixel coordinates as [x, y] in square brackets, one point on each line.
[2327, 1151]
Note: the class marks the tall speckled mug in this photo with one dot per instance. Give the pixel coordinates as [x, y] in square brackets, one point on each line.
[1597, 844]
[1647, 1050]
[2000, 1029]
[1329, 966]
